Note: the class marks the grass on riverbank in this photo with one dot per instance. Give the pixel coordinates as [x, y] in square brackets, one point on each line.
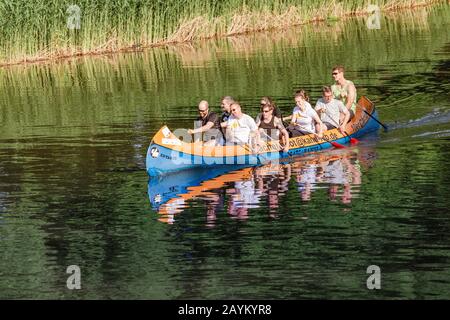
[38, 31]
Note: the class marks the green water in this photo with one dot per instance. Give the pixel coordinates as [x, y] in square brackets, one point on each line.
[74, 191]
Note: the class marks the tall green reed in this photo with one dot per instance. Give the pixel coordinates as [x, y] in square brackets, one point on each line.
[33, 30]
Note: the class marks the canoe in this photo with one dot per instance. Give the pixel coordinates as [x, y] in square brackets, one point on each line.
[167, 153]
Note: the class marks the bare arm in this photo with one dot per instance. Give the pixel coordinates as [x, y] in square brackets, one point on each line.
[346, 119]
[317, 120]
[287, 118]
[257, 137]
[204, 128]
[285, 134]
[286, 139]
[351, 96]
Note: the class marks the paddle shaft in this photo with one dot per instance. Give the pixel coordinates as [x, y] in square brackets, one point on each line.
[364, 109]
[352, 140]
[333, 143]
[267, 136]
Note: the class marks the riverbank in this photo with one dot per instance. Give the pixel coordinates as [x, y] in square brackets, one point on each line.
[91, 29]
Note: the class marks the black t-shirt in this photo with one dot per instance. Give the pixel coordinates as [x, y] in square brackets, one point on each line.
[211, 117]
[224, 117]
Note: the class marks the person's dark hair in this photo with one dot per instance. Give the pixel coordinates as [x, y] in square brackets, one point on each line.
[301, 93]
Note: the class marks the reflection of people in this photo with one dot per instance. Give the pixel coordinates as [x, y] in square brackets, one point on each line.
[335, 169]
[243, 196]
[214, 203]
[306, 179]
[343, 171]
[273, 180]
[209, 125]
[339, 171]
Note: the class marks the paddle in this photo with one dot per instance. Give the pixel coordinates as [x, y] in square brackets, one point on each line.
[260, 154]
[267, 136]
[364, 109]
[253, 150]
[352, 140]
[333, 143]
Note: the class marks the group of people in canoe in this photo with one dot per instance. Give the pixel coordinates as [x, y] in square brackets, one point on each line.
[336, 107]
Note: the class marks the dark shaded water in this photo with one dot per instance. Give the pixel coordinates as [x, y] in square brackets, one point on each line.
[73, 187]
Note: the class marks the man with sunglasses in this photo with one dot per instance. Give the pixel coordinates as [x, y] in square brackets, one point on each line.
[240, 127]
[210, 125]
[344, 90]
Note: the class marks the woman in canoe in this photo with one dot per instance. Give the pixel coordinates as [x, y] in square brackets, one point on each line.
[305, 119]
[270, 126]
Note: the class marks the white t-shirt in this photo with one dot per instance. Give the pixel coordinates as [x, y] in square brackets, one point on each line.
[304, 119]
[331, 111]
[238, 130]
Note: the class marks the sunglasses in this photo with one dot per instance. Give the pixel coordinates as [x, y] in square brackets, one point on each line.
[335, 73]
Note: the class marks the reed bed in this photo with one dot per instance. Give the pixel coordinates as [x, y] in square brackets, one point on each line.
[38, 30]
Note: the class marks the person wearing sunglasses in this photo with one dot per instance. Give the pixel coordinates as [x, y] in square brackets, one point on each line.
[209, 125]
[332, 112]
[240, 127]
[269, 102]
[270, 126]
[344, 90]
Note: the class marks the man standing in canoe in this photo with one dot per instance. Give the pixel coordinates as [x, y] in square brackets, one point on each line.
[210, 125]
[240, 127]
[344, 90]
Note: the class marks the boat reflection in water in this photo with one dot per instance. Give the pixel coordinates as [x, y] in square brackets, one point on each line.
[235, 190]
